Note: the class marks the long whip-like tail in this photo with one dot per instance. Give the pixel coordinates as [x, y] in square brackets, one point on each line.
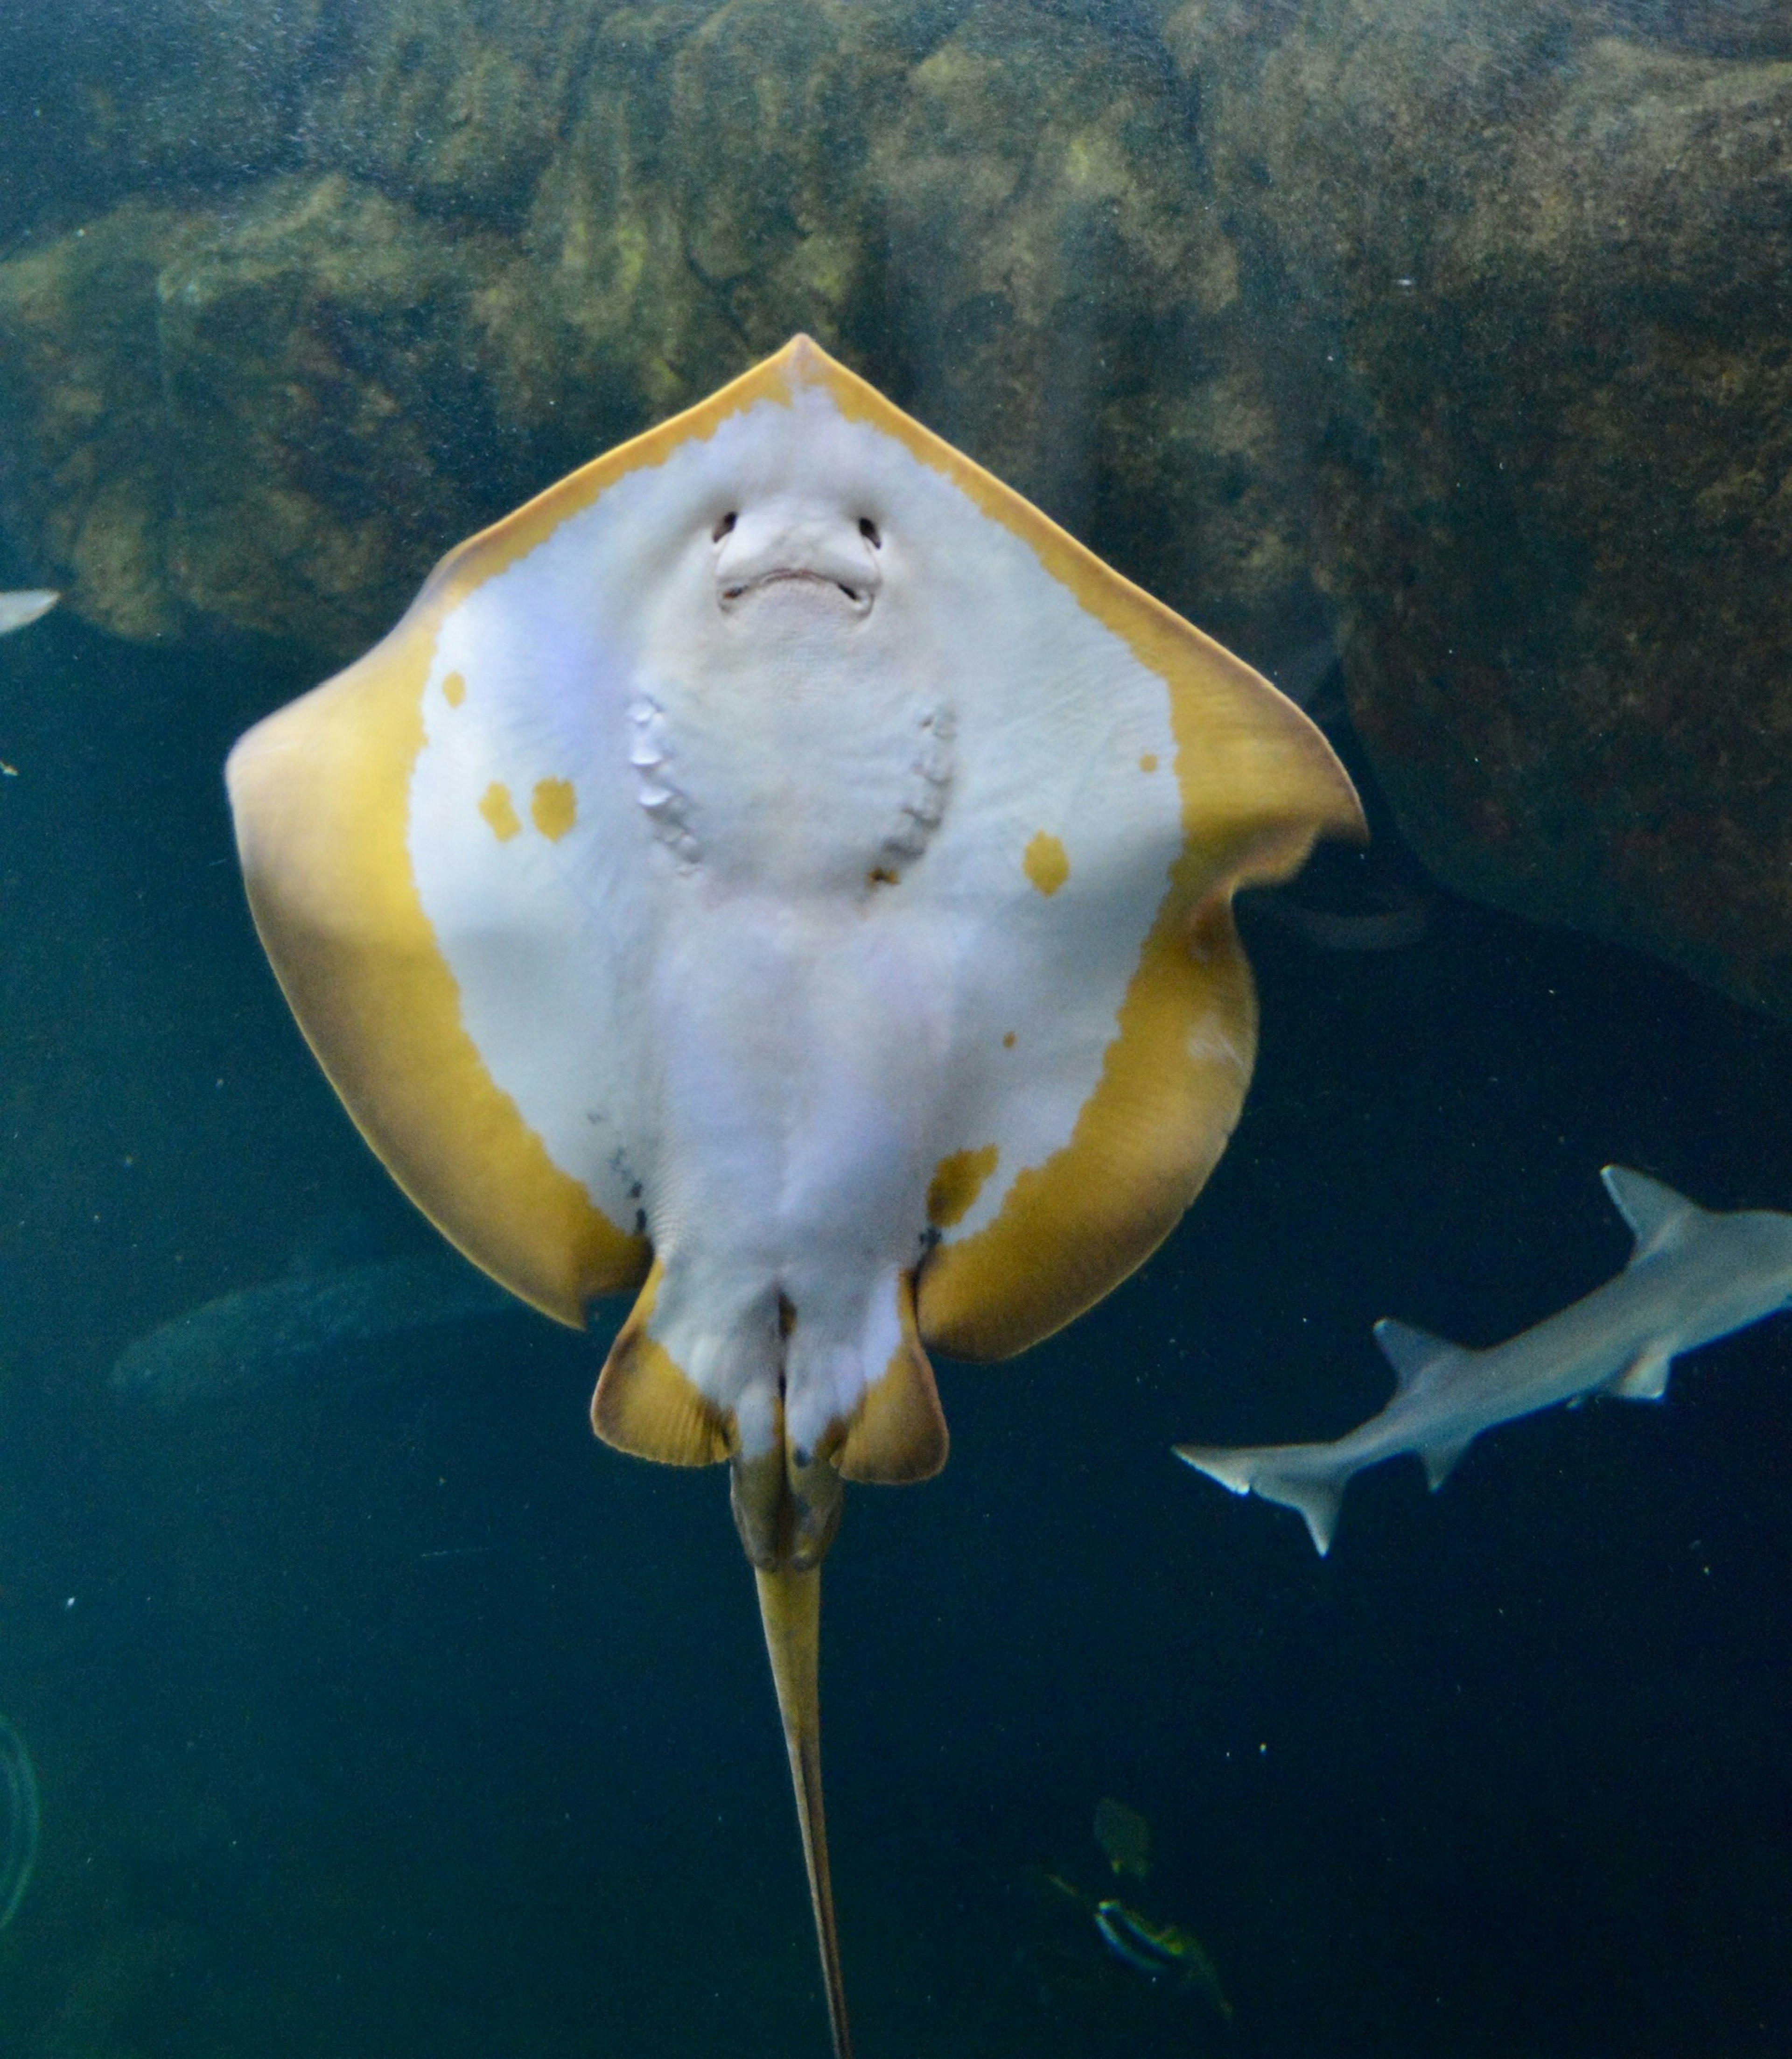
[790, 1608]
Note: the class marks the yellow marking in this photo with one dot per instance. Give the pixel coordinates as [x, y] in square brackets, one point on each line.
[1046, 863]
[880, 875]
[1149, 761]
[1008, 1041]
[454, 689]
[554, 808]
[499, 810]
[957, 1182]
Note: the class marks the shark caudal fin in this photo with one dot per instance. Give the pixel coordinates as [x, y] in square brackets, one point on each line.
[1306, 1477]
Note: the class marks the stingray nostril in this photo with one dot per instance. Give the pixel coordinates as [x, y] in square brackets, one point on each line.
[868, 530]
[851, 592]
[724, 527]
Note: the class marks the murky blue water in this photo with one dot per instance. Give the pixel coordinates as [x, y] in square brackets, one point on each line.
[377, 1708]
[378, 1711]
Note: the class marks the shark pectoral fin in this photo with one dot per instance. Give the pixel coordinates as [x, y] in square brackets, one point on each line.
[1440, 1458]
[646, 1405]
[1278, 1473]
[1645, 1378]
[1650, 1209]
[790, 1610]
[1412, 1352]
[898, 1432]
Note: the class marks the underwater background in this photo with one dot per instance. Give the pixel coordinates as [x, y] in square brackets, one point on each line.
[377, 1709]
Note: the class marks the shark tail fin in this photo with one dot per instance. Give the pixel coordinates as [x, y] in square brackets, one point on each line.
[1412, 1353]
[1304, 1477]
[1650, 1209]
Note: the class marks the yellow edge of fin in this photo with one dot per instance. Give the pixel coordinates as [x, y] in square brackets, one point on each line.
[1168, 1099]
[898, 1432]
[646, 1405]
[321, 795]
[1259, 785]
[320, 792]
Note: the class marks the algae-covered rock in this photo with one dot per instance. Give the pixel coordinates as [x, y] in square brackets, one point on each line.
[1457, 325]
[87, 447]
[1554, 507]
[529, 232]
[1067, 307]
[270, 418]
[326, 369]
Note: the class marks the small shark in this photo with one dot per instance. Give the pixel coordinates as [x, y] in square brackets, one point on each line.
[258, 1333]
[18, 609]
[1694, 1276]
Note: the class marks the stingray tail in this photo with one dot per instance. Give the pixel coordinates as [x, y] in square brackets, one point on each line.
[1306, 1477]
[790, 1609]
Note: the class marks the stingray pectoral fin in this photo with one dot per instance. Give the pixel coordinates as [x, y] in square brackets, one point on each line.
[320, 792]
[790, 1610]
[1172, 1079]
[898, 1434]
[646, 1405]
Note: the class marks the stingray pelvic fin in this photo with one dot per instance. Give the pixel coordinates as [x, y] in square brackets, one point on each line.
[790, 1609]
[644, 1405]
[898, 1431]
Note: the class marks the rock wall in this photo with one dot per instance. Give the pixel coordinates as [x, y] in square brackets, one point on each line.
[1456, 329]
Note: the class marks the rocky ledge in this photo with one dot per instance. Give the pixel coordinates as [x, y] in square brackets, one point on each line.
[1453, 332]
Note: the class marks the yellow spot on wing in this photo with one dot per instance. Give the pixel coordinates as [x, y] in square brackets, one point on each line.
[1149, 761]
[454, 689]
[500, 811]
[554, 808]
[957, 1182]
[1046, 863]
[1008, 1041]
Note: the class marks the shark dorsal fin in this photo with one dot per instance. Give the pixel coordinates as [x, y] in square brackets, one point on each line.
[1650, 1209]
[1411, 1352]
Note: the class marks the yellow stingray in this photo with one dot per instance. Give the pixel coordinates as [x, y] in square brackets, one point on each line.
[780, 871]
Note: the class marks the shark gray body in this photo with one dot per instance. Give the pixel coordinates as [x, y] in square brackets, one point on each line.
[1694, 1276]
[257, 1333]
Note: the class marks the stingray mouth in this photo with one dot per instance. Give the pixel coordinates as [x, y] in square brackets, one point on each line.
[800, 581]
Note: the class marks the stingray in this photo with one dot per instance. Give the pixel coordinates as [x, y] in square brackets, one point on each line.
[779, 873]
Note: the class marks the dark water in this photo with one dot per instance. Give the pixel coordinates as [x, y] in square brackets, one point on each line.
[380, 1711]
